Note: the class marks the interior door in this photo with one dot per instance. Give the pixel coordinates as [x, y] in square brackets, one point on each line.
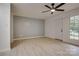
[65, 35]
[59, 28]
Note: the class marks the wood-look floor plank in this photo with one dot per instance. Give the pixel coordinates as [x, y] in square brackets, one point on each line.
[41, 47]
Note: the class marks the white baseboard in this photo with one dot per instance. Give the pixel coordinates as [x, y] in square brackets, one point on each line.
[51, 37]
[4, 50]
[54, 38]
[20, 38]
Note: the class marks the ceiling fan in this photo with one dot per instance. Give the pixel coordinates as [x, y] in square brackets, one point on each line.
[53, 8]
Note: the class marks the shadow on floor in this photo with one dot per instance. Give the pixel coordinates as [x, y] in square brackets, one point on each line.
[15, 43]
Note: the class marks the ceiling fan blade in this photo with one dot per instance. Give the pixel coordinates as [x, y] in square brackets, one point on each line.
[45, 11]
[59, 9]
[51, 12]
[60, 5]
[48, 6]
[52, 5]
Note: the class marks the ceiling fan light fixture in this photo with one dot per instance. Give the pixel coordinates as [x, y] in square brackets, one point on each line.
[53, 10]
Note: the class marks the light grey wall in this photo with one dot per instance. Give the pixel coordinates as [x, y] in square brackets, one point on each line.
[28, 27]
[4, 26]
[11, 27]
[54, 25]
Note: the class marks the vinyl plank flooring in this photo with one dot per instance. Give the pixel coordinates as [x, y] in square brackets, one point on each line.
[41, 47]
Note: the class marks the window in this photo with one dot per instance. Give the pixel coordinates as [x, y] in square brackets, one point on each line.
[74, 27]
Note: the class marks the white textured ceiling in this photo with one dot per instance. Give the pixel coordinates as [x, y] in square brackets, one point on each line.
[33, 10]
